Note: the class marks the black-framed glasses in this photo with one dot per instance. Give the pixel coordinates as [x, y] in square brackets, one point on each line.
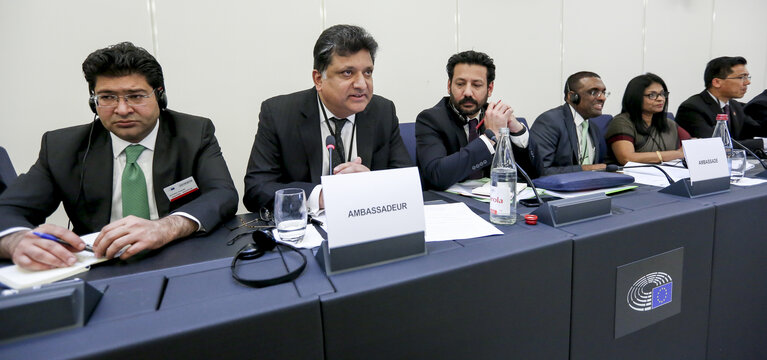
[742, 78]
[654, 95]
[112, 100]
[596, 93]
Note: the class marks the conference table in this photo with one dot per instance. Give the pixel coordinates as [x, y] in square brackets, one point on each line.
[535, 292]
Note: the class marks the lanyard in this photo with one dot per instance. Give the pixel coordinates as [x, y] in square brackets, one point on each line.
[327, 123]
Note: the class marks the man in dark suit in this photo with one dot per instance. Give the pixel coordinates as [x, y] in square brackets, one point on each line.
[142, 175]
[564, 139]
[757, 109]
[726, 79]
[451, 141]
[289, 148]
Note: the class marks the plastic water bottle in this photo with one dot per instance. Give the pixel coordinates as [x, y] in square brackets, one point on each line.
[721, 131]
[503, 177]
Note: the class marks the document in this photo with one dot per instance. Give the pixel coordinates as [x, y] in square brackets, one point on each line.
[747, 181]
[311, 239]
[654, 177]
[18, 278]
[606, 191]
[455, 221]
[480, 189]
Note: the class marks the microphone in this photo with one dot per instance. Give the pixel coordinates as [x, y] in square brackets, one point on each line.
[330, 144]
[614, 168]
[490, 135]
[750, 153]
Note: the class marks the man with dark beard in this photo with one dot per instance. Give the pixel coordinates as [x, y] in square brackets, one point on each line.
[450, 137]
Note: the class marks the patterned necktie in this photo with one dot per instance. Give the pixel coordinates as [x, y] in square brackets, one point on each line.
[726, 110]
[584, 143]
[134, 194]
[473, 136]
[473, 129]
[340, 152]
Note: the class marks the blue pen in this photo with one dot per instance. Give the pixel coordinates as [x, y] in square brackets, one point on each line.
[62, 242]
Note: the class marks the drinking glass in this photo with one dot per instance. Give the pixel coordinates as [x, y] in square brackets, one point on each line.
[290, 214]
[738, 163]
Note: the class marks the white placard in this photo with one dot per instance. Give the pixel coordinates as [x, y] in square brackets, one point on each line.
[373, 205]
[705, 159]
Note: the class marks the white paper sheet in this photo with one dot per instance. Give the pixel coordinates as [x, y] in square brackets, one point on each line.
[18, 278]
[455, 221]
[653, 177]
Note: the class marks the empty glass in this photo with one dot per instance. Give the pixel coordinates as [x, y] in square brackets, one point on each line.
[290, 214]
[738, 162]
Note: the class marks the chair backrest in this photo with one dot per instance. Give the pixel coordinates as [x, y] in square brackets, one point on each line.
[7, 172]
[601, 121]
[670, 115]
[407, 131]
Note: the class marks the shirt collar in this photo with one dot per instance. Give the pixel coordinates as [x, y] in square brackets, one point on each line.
[576, 116]
[721, 104]
[119, 145]
[330, 114]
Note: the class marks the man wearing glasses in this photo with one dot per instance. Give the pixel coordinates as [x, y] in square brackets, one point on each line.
[565, 140]
[726, 79]
[141, 175]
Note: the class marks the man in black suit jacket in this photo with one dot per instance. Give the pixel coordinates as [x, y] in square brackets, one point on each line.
[558, 133]
[289, 149]
[85, 167]
[451, 145]
[726, 79]
[757, 109]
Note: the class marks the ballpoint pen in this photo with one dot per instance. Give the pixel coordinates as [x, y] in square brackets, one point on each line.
[62, 242]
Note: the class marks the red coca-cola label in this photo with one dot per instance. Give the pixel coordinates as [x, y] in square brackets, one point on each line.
[722, 117]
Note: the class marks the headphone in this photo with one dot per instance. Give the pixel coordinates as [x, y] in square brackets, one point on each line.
[263, 241]
[162, 99]
[574, 98]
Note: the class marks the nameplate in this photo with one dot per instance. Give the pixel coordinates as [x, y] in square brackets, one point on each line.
[706, 159]
[375, 205]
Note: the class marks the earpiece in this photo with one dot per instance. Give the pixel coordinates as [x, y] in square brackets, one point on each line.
[263, 241]
[162, 98]
[92, 102]
[574, 98]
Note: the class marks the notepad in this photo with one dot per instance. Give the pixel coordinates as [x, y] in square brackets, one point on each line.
[18, 278]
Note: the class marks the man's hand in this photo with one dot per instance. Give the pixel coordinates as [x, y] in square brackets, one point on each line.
[140, 234]
[30, 252]
[500, 115]
[593, 167]
[353, 166]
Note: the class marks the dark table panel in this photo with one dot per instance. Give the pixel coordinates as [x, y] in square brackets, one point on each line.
[496, 297]
[738, 319]
[164, 307]
[646, 224]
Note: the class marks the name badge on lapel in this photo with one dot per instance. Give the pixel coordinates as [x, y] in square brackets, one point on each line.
[181, 189]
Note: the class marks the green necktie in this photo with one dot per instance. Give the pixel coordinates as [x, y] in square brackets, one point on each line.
[134, 194]
[584, 145]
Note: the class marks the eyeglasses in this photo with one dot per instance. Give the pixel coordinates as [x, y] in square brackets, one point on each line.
[108, 101]
[596, 93]
[742, 78]
[264, 221]
[655, 95]
[264, 215]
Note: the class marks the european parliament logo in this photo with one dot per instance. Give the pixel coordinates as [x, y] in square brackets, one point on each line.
[650, 292]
